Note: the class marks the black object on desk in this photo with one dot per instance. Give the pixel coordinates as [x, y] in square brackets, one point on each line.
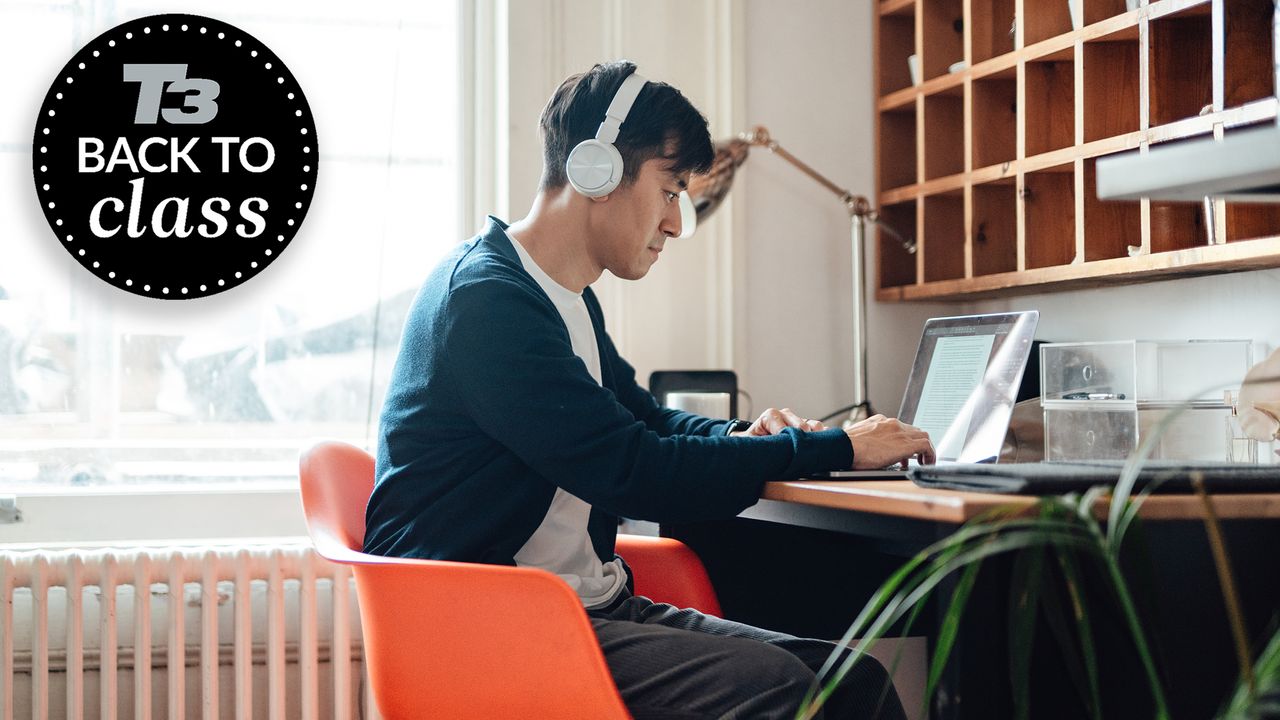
[665, 382]
[1052, 478]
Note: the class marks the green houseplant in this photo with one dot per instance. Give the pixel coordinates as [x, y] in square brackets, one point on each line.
[1062, 534]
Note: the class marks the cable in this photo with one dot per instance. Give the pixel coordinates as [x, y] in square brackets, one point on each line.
[750, 403]
[847, 408]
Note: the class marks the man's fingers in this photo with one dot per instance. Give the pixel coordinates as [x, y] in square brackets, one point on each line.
[927, 454]
[770, 422]
[922, 452]
[789, 415]
[886, 442]
[795, 421]
[774, 421]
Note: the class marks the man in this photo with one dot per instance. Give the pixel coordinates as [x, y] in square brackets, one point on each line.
[513, 433]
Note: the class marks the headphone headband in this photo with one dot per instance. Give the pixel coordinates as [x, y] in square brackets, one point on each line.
[620, 107]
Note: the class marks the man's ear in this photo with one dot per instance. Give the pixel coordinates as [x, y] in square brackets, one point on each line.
[602, 198]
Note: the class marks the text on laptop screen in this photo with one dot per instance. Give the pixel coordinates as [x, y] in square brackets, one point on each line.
[964, 381]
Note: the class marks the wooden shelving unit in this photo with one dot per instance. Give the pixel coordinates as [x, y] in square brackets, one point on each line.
[989, 161]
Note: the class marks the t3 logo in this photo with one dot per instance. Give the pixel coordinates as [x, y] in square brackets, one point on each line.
[175, 156]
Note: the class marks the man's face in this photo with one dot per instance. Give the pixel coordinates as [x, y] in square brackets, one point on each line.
[632, 226]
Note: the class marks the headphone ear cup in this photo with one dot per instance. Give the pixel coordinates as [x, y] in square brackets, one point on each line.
[688, 216]
[594, 168]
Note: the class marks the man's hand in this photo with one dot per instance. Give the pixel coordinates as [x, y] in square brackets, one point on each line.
[772, 422]
[880, 442]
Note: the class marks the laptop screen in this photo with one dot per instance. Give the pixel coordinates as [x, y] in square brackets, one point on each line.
[964, 382]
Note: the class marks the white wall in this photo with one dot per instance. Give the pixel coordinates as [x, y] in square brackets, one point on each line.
[1237, 305]
[809, 79]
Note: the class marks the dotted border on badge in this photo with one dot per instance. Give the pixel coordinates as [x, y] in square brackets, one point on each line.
[43, 130]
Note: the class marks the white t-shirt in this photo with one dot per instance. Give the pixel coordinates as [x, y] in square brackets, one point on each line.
[561, 543]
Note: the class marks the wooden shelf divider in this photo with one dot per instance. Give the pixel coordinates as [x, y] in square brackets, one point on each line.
[988, 158]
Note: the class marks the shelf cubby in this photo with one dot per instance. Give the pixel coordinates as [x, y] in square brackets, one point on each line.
[1181, 62]
[994, 230]
[1112, 104]
[944, 228]
[992, 29]
[944, 139]
[1050, 98]
[992, 169]
[1248, 69]
[897, 266]
[896, 41]
[1044, 19]
[1249, 221]
[1177, 226]
[1110, 227]
[943, 28]
[995, 119]
[1099, 10]
[1048, 198]
[898, 147]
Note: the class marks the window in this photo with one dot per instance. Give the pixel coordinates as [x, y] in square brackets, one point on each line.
[100, 388]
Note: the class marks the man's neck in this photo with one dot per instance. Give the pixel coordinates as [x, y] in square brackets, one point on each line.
[555, 233]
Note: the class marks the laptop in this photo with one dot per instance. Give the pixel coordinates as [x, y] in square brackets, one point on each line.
[962, 387]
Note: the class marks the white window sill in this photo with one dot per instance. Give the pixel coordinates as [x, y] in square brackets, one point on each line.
[147, 515]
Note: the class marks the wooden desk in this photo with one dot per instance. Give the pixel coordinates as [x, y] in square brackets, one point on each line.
[903, 498]
[808, 555]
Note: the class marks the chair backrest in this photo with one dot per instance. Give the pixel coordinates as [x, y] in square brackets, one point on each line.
[667, 570]
[337, 479]
[451, 639]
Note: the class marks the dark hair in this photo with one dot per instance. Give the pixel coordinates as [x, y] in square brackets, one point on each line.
[660, 115]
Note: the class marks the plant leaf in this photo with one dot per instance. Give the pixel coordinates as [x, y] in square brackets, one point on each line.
[914, 582]
[1056, 617]
[1080, 611]
[950, 626]
[1024, 589]
[1112, 565]
[1266, 672]
[928, 577]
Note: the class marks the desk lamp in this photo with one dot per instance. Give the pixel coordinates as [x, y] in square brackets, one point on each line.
[707, 192]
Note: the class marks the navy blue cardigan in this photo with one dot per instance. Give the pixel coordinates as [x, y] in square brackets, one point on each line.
[489, 410]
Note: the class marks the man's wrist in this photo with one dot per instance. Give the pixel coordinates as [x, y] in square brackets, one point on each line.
[737, 426]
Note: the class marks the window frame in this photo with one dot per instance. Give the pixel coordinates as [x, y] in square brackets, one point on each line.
[140, 514]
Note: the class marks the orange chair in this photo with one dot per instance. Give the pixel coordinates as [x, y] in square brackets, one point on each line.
[450, 639]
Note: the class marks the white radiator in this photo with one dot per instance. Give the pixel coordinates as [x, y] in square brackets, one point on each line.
[254, 632]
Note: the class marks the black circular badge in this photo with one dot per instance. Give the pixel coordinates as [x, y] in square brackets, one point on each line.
[175, 156]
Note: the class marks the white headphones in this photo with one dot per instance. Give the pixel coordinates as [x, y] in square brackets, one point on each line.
[594, 167]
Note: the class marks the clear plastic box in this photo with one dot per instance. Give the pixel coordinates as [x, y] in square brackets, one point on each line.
[1101, 399]
[1144, 371]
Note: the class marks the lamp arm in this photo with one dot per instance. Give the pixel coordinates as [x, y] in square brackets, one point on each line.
[858, 205]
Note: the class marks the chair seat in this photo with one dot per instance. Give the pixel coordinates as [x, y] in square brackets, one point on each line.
[451, 639]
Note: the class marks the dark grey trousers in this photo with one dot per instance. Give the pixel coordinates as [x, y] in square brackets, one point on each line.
[679, 664]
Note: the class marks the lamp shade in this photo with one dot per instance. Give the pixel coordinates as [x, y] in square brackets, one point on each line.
[709, 190]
